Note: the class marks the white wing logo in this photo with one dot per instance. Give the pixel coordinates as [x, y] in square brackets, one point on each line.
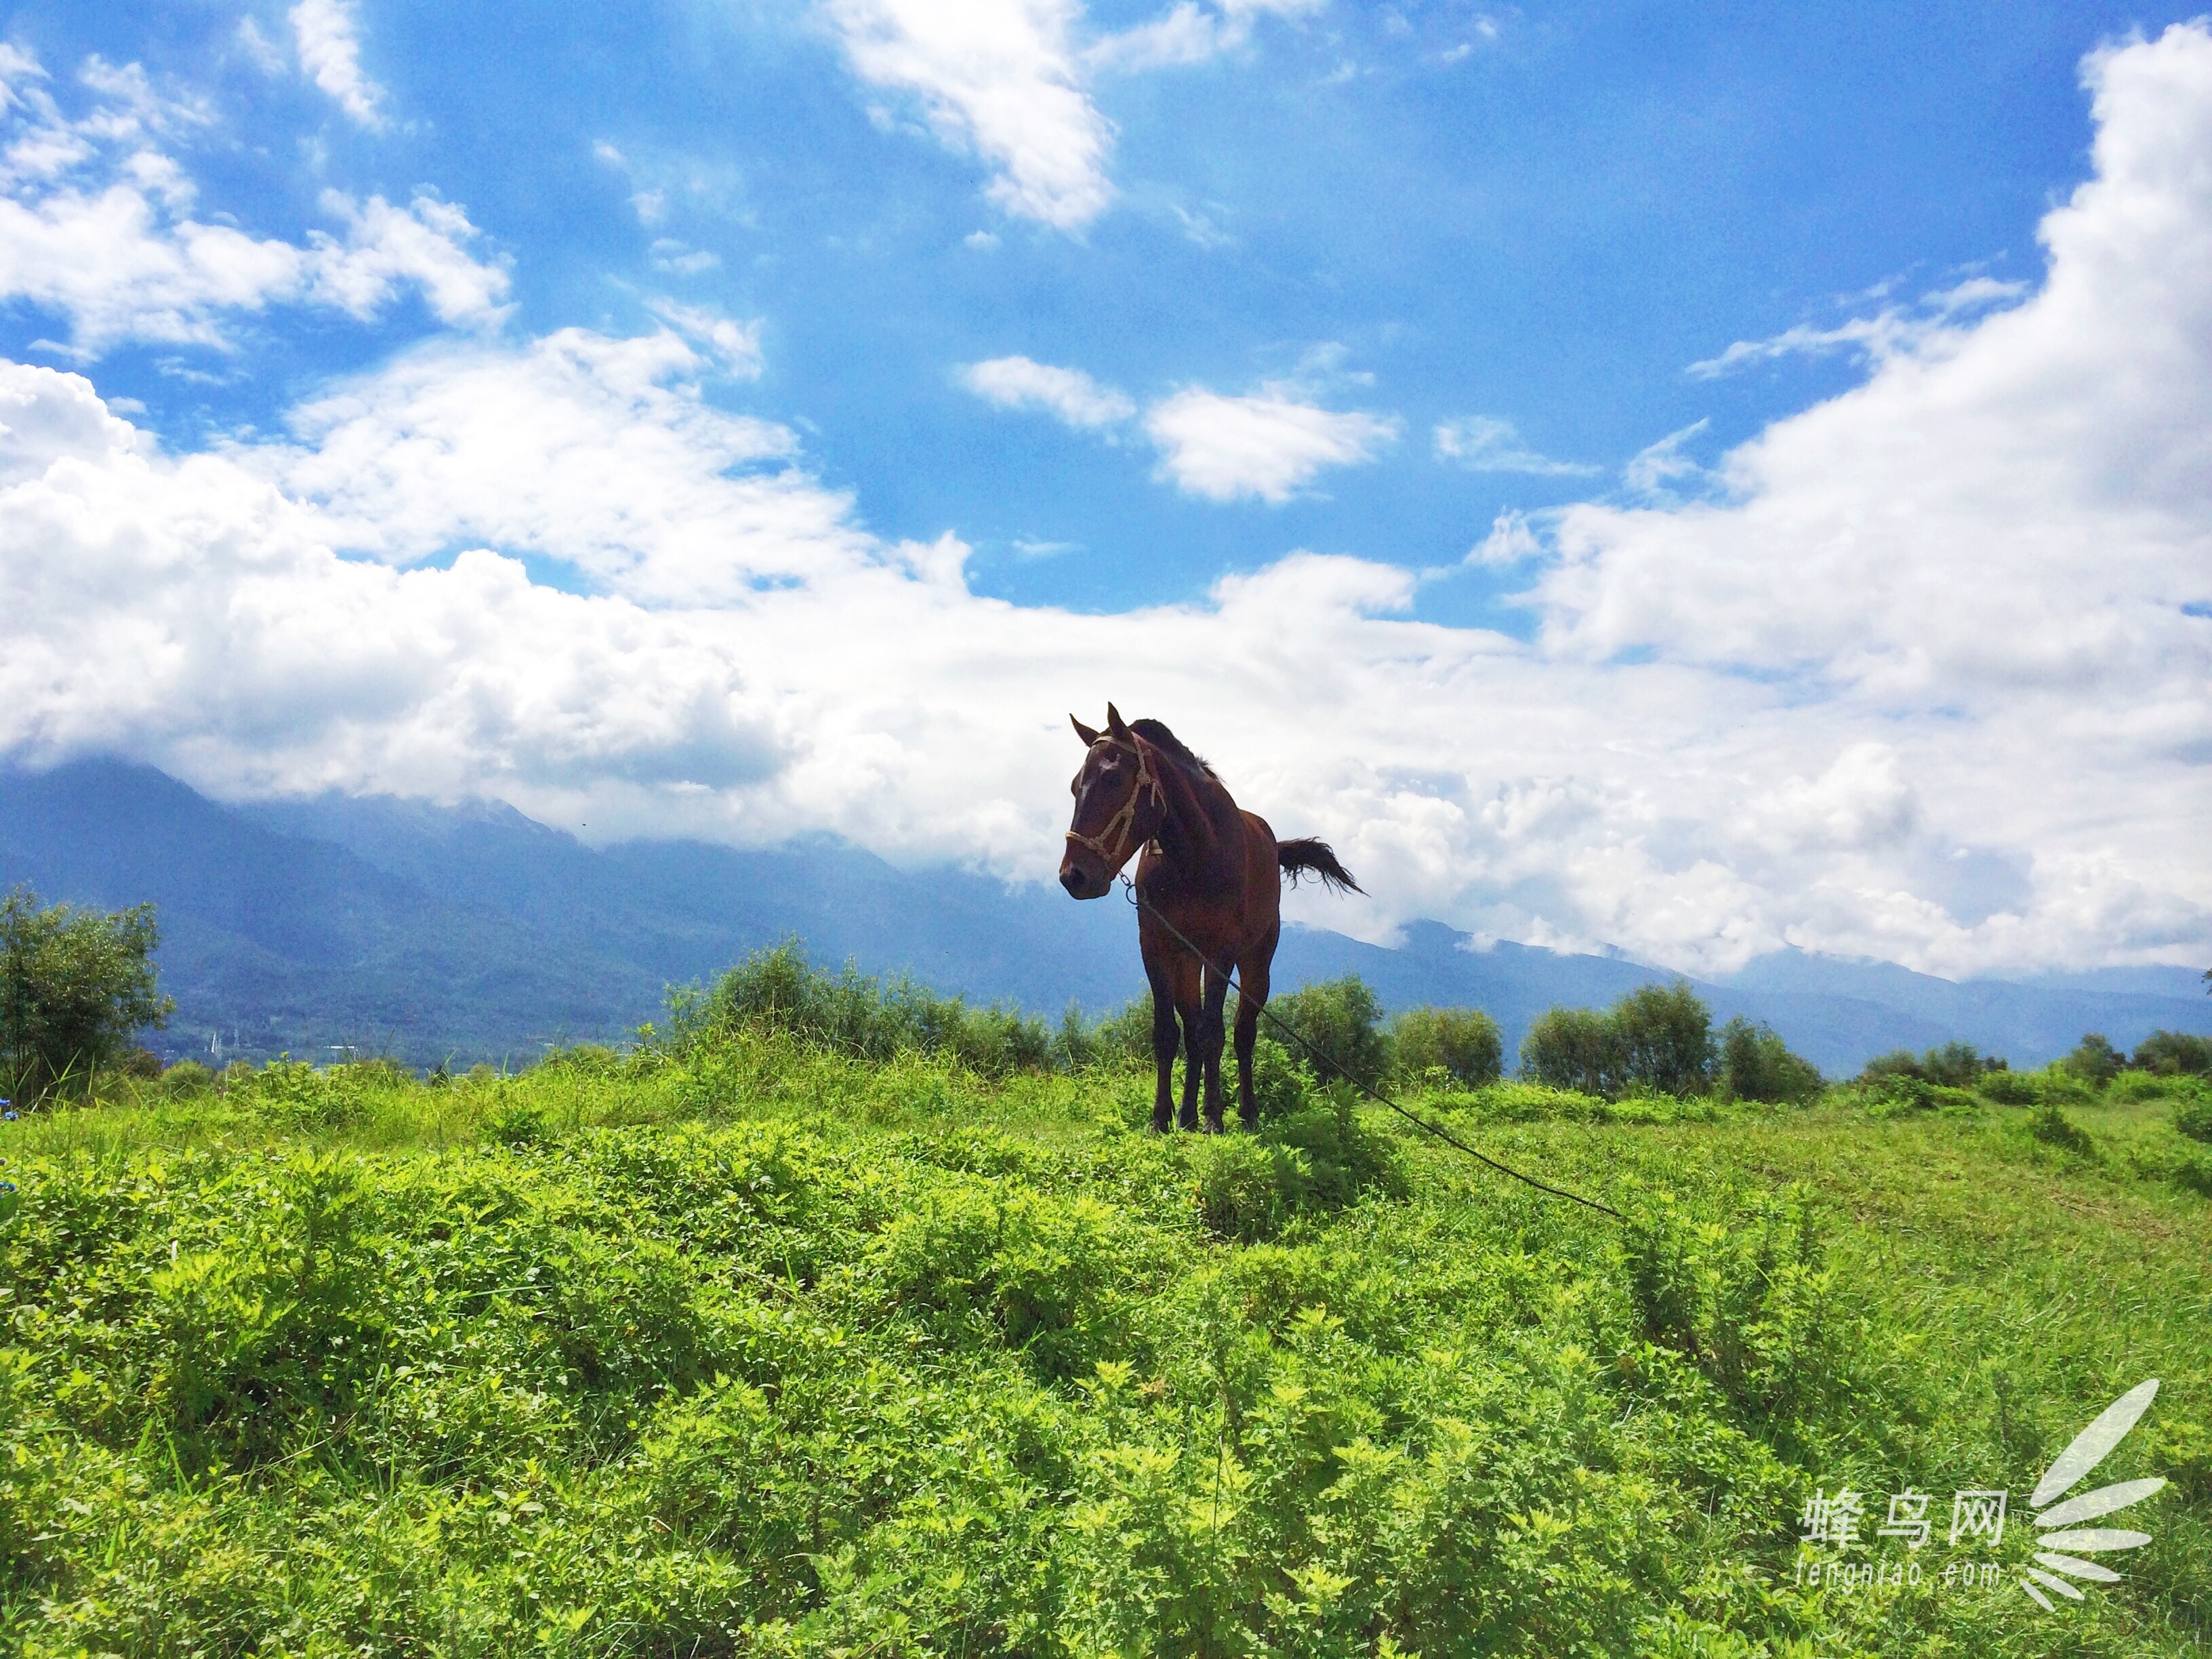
[2090, 1448]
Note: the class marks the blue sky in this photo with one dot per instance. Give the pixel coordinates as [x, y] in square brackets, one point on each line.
[1437, 211]
[1460, 317]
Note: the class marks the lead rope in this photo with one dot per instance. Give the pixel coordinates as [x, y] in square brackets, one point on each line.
[1146, 905]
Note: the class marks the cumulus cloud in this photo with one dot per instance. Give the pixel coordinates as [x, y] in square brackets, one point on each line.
[96, 225]
[1069, 394]
[600, 453]
[1939, 624]
[1483, 443]
[1269, 444]
[330, 52]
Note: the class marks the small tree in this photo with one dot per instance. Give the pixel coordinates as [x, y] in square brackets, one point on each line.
[1957, 1065]
[1898, 1062]
[1755, 1064]
[1667, 1038]
[2171, 1053]
[74, 987]
[1577, 1049]
[1341, 1018]
[1462, 1042]
[2094, 1060]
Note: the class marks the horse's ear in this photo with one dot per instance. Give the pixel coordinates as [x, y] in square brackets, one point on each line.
[1115, 724]
[1083, 732]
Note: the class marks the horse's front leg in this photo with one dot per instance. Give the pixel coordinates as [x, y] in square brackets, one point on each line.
[1194, 1063]
[1210, 1031]
[1166, 1039]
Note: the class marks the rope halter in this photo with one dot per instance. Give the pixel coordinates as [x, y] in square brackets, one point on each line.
[1124, 820]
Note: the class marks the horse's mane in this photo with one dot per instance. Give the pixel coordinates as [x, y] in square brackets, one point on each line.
[1160, 738]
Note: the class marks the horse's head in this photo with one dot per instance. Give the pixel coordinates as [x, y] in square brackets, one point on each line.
[1119, 805]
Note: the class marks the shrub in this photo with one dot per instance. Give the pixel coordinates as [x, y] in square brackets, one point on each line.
[588, 1060]
[1282, 1082]
[1898, 1062]
[1575, 1049]
[75, 985]
[2130, 1087]
[777, 989]
[1755, 1064]
[1321, 1158]
[1341, 1020]
[2094, 1060]
[2058, 1084]
[1461, 1042]
[187, 1077]
[2193, 1117]
[1658, 1037]
[1747, 1301]
[295, 1095]
[2173, 1053]
[1906, 1091]
[2008, 1088]
[516, 1124]
[2054, 1128]
[1125, 1037]
[1954, 1065]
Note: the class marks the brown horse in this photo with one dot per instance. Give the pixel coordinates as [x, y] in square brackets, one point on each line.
[1212, 871]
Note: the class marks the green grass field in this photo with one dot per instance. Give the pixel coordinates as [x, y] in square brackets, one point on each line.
[768, 1350]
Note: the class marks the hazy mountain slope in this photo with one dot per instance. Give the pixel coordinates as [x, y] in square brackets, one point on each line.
[293, 944]
[2034, 1020]
[471, 931]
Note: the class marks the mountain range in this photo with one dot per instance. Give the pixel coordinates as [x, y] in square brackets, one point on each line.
[339, 924]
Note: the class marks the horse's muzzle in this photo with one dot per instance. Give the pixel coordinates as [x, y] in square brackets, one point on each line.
[1081, 883]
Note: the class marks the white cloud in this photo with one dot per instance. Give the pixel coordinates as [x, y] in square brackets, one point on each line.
[1510, 541]
[1009, 80]
[330, 52]
[96, 225]
[1067, 393]
[680, 259]
[999, 77]
[600, 453]
[260, 50]
[1188, 34]
[1936, 620]
[388, 248]
[1654, 470]
[1267, 444]
[737, 344]
[1482, 443]
[1925, 329]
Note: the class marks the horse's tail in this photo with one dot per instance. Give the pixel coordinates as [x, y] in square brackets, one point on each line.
[1309, 856]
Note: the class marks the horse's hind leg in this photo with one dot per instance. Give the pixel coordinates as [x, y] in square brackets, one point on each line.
[1209, 1042]
[1251, 997]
